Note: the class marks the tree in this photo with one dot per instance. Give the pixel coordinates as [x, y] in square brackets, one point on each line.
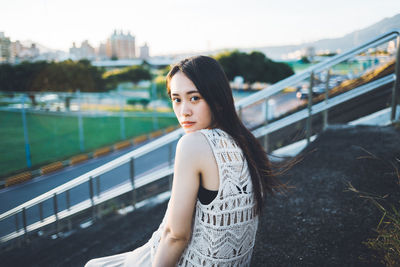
[304, 60]
[51, 76]
[161, 88]
[253, 67]
[69, 76]
[136, 74]
[132, 74]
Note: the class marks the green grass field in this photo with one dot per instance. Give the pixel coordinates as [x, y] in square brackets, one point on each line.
[55, 138]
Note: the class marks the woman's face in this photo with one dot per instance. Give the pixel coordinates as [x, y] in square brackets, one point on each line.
[191, 110]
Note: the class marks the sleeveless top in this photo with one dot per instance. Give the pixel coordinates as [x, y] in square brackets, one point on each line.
[223, 231]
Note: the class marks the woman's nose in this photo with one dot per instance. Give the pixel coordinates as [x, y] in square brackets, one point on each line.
[186, 111]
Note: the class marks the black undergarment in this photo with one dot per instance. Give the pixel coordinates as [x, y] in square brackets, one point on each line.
[206, 196]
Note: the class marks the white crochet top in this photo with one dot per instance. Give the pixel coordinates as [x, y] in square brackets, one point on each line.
[223, 232]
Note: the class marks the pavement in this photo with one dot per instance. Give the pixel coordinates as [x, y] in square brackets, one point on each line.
[318, 222]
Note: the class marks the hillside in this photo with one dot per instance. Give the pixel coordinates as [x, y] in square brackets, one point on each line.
[346, 42]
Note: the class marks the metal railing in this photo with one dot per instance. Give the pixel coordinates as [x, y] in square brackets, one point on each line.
[91, 178]
[132, 183]
[309, 73]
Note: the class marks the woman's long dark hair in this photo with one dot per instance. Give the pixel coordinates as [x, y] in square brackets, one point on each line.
[211, 82]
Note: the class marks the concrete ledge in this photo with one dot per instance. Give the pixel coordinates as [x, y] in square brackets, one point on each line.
[19, 178]
[25, 176]
[139, 139]
[156, 134]
[122, 145]
[170, 129]
[78, 159]
[101, 151]
[51, 167]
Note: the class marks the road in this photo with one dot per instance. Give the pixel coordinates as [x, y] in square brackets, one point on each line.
[13, 196]
[278, 104]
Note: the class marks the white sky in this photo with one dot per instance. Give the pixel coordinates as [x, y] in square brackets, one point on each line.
[189, 25]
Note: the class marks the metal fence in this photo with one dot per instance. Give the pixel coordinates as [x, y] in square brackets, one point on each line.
[44, 127]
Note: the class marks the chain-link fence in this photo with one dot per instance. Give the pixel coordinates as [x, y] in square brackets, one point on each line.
[44, 127]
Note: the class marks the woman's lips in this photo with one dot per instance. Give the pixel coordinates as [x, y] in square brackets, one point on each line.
[187, 124]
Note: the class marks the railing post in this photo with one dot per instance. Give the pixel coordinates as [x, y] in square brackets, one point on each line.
[68, 199]
[325, 112]
[68, 203]
[266, 110]
[98, 185]
[41, 211]
[16, 223]
[91, 192]
[132, 178]
[99, 206]
[309, 107]
[55, 207]
[265, 138]
[396, 87]
[24, 221]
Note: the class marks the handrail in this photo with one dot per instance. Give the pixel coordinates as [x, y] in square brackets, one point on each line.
[279, 86]
[170, 137]
[263, 94]
[317, 108]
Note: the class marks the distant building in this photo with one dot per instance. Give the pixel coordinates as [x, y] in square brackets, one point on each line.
[5, 48]
[74, 51]
[144, 51]
[85, 51]
[22, 53]
[30, 52]
[16, 49]
[102, 52]
[309, 52]
[121, 46]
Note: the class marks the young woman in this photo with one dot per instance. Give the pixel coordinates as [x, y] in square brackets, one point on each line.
[221, 176]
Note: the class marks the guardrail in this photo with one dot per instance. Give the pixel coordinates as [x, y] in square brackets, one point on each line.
[133, 183]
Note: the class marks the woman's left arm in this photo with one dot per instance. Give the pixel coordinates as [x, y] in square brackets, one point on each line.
[177, 232]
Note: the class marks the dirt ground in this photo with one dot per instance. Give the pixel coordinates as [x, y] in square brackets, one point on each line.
[319, 222]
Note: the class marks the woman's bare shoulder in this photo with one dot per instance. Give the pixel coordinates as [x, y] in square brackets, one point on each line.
[194, 145]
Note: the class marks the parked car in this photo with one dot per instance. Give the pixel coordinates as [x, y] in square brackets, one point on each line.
[302, 93]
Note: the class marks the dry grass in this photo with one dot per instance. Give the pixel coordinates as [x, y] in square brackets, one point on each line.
[387, 240]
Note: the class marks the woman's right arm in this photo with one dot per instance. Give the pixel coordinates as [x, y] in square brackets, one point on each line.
[189, 161]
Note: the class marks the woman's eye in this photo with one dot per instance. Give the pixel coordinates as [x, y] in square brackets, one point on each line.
[176, 100]
[194, 98]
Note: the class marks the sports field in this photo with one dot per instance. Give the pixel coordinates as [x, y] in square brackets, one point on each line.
[55, 138]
